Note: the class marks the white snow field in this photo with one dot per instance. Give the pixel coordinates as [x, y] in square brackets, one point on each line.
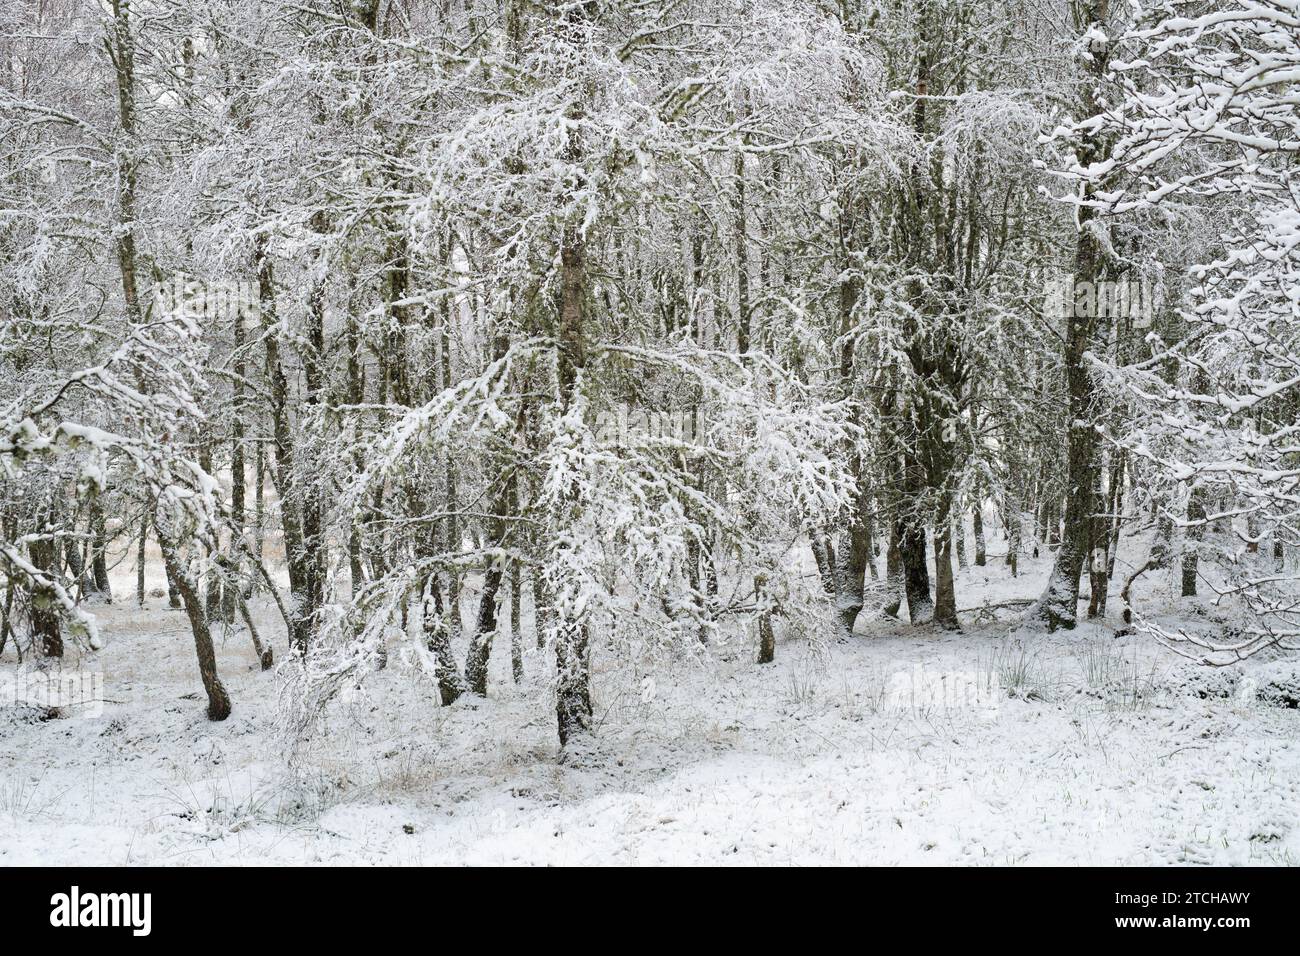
[1093, 750]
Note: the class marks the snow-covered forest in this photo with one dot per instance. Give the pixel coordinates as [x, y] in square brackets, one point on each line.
[649, 431]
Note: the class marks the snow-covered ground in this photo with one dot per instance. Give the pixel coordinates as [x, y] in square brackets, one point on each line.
[1094, 749]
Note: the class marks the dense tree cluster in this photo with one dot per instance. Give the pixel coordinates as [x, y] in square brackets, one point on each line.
[647, 323]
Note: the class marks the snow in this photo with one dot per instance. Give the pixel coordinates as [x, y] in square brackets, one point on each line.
[1100, 750]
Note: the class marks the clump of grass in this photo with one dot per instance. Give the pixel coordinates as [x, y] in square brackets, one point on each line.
[21, 800]
[223, 809]
[801, 687]
[1018, 671]
[1120, 680]
[868, 696]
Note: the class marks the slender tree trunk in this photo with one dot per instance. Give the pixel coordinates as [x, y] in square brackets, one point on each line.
[299, 557]
[855, 547]
[498, 529]
[173, 593]
[238, 475]
[218, 699]
[1117, 482]
[8, 527]
[6, 620]
[912, 543]
[869, 523]
[121, 48]
[945, 593]
[259, 502]
[485, 628]
[1058, 605]
[742, 259]
[99, 552]
[265, 655]
[313, 531]
[543, 608]
[1098, 552]
[854, 556]
[824, 555]
[213, 578]
[916, 575]
[438, 640]
[1195, 532]
[694, 583]
[894, 570]
[766, 634]
[1015, 532]
[43, 553]
[142, 541]
[919, 425]
[453, 524]
[77, 569]
[572, 655]
[516, 626]
[711, 577]
[355, 395]
[1106, 541]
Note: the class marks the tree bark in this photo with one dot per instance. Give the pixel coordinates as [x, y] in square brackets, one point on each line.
[453, 524]
[916, 575]
[1015, 532]
[299, 557]
[265, 655]
[894, 570]
[573, 681]
[43, 552]
[141, 543]
[945, 592]
[766, 634]
[485, 628]
[498, 530]
[572, 651]
[543, 608]
[1195, 532]
[516, 626]
[218, 699]
[1058, 605]
[824, 555]
[238, 475]
[98, 552]
[437, 639]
